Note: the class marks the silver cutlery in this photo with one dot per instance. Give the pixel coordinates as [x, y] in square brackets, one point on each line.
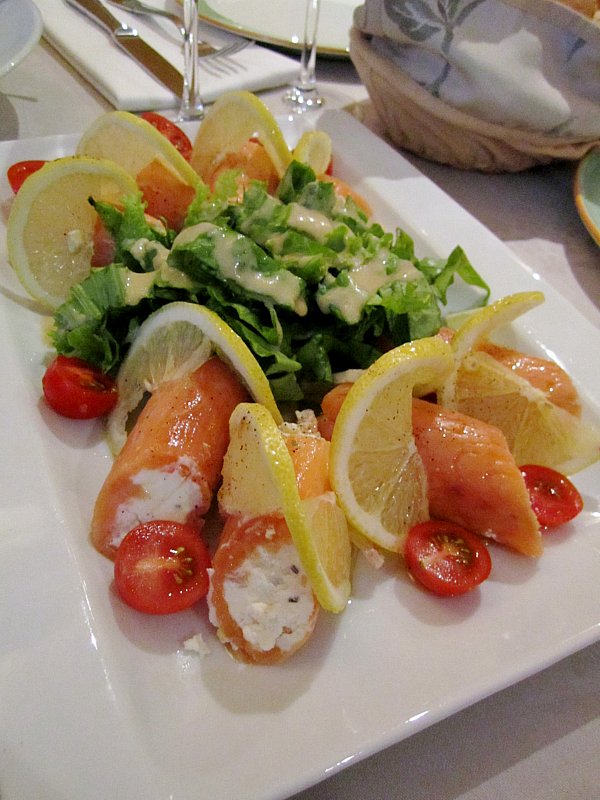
[129, 40]
[204, 49]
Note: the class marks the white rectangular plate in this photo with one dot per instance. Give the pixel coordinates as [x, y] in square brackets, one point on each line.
[97, 701]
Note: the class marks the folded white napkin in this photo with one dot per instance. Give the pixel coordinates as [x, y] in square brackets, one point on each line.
[126, 85]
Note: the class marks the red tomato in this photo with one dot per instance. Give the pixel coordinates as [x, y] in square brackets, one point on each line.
[553, 497]
[104, 246]
[17, 173]
[78, 390]
[161, 567]
[171, 131]
[445, 558]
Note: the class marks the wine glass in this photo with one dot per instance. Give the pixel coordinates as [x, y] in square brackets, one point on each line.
[192, 107]
[303, 95]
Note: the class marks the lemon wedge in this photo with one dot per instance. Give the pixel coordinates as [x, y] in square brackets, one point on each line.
[375, 468]
[171, 342]
[537, 431]
[314, 148]
[51, 223]
[234, 118]
[259, 480]
[133, 143]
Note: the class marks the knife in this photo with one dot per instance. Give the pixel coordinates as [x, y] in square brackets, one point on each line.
[129, 40]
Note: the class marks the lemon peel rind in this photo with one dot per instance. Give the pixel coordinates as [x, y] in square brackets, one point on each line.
[418, 364]
[218, 339]
[285, 500]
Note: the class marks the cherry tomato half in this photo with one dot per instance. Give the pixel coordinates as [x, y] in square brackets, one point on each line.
[161, 567]
[445, 558]
[76, 389]
[553, 497]
[171, 131]
[17, 173]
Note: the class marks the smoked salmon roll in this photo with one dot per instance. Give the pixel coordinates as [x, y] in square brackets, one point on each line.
[472, 477]
[171, 462]
[260, 598]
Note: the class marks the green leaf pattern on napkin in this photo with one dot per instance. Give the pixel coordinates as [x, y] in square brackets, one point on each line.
[419, 22]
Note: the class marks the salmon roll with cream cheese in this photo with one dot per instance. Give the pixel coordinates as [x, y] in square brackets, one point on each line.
[260, 598]
[170, 464]
[472, 477]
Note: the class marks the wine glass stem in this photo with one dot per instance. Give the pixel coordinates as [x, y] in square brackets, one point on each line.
[308, 58]
[192, 106]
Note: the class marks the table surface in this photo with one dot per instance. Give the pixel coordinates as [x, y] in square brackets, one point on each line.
[539, 739]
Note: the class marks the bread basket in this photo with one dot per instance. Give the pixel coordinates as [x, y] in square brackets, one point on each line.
[475, 118]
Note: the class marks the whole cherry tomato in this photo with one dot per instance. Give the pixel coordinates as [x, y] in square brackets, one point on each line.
[161, 567]
[76, 389]
[445, 558]
[553, 497]
[171, 131]
[18, 172]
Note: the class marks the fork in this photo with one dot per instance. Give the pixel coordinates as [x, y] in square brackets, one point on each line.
[204, 49]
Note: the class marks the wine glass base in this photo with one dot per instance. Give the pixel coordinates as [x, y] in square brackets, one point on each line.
[190, 113]
[302, 99]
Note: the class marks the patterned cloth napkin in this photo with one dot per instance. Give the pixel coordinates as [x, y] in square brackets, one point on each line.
[89, 49]
[528, 64]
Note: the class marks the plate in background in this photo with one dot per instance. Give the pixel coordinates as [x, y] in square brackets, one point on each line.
[281, 23]
[20, 30]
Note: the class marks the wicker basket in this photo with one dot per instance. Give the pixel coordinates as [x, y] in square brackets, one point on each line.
[415, 120]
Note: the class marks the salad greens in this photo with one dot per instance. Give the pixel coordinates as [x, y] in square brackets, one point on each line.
[308, 282]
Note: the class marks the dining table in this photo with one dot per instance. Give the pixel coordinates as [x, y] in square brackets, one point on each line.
[538, 738]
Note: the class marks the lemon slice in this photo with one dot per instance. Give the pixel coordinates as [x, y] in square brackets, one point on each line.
[51, 223]
[133, 143]
[475, 326]
[537, 431]
[483, 321]
[234, 118]
[375, 468]
[259, 480]
[314, 148]
[171, 342]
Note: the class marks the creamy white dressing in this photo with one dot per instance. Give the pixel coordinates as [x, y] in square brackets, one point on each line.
[311, 222]
[363, 282]
[190, 234]
[141, 247]
[282, 286]
[137, 286]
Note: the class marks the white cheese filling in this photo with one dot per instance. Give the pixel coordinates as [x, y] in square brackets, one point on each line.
[270, 599]
[168, 493]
